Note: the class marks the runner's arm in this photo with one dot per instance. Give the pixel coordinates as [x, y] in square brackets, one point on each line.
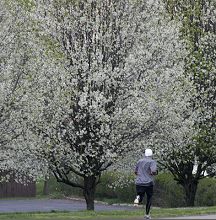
[153, 168]
[136, 169]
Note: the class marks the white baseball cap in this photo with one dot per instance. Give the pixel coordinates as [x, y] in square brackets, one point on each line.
[148, 153]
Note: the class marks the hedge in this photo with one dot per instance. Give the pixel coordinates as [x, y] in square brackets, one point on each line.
[167, 193]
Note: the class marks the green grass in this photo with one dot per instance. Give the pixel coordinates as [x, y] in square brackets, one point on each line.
[85, 215]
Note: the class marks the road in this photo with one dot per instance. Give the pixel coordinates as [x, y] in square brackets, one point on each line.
[47, 205]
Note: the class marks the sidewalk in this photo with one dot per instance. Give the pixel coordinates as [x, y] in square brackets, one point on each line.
[194, 217]
[184, 217]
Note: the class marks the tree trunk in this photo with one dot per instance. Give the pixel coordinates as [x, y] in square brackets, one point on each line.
[45, 187]
[89, 191]
[190, 188]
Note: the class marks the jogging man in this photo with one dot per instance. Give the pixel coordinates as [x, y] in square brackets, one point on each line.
[145, 170]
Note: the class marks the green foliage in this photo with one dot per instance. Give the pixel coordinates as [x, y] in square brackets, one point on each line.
[124, 194]
[104, 189]
[52, 48]
[167, 193]
[54, 188]
[189, 13]
[206, 192]
[39, 188]
[68, 190]
[26, 4]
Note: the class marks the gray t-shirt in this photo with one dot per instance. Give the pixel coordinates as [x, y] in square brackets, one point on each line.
[144, 169]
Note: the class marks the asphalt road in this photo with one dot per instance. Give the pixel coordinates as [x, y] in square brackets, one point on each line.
[47, 205]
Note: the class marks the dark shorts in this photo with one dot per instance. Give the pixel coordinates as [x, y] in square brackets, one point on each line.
[142, 190]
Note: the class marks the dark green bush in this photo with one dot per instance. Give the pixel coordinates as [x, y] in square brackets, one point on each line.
[118, 194]
[54, 188]
[167, 193]
[103, 189]
[206, 192]
[69, 190]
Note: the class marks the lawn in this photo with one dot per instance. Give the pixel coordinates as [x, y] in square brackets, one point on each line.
[118, 215]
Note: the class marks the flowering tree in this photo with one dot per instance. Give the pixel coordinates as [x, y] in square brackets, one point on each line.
[15, 154]
[109, 77]
[192, 162]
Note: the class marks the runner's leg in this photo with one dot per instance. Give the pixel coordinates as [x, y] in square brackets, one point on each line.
[149, 192]
[140, 192]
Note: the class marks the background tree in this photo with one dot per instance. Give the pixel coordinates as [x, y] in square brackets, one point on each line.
[15, 154]
[192, 162]
[110, 75]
